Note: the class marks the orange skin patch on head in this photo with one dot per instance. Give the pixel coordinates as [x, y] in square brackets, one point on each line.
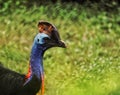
[45, 29]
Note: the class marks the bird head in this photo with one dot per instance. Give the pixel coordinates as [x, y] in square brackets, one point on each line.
[48, 36]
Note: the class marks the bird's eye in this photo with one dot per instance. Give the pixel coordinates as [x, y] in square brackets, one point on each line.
[38, 40]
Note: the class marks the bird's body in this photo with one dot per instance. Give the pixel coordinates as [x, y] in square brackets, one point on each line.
[10, 80]
[13, 83]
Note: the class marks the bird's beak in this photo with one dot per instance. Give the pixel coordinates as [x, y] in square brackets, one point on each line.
[61, 44]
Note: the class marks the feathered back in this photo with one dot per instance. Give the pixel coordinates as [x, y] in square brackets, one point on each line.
[9, 81]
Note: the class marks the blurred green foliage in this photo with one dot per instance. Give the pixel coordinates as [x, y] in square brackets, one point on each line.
[8, 6]
[91, 63]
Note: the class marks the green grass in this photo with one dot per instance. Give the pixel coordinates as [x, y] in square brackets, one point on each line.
[91, 63]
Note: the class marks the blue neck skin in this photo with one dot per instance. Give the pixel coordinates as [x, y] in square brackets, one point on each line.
[36, 58]
[36, 61]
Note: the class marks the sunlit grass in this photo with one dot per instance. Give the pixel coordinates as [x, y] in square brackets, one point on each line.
[91, 63]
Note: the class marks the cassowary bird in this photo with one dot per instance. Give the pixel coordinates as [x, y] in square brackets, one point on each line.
[13, 83]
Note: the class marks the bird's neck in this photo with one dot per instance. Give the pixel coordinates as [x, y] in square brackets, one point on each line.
[36, 66]
[36, 62]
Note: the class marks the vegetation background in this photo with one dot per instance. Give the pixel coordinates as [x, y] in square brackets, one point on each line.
[91, 29]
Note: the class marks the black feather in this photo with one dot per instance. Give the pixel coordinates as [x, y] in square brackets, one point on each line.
[12, 83]
[10, 80]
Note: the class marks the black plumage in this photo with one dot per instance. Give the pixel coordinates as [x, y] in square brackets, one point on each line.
[11, 83]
